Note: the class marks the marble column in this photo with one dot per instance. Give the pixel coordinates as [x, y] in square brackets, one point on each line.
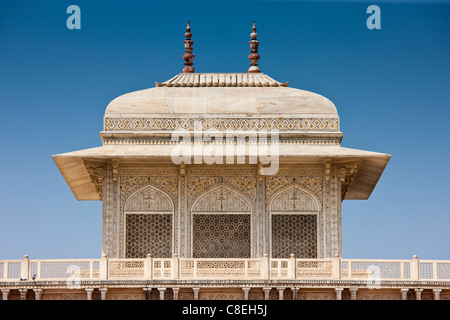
[418, 294]
[339, 293]
[5, 293]
[437, 294]
[37, 294]
[175, 293]
[103, 292]
[196, 291]
[246, 291]
[162, 292]
[404, 292]
[89, 292]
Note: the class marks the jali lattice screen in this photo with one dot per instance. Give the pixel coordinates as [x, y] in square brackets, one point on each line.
[148, 233]
[294, 234]
[221, 236]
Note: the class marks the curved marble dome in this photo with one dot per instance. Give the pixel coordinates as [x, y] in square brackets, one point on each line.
[221, 93]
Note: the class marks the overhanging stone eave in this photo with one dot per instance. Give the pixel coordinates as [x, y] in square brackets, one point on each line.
[164, 151]
[368, 174]
[73, 168]
[77, 177]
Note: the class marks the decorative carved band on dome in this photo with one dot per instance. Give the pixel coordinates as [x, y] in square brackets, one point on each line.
[169, 124]
[167, 140]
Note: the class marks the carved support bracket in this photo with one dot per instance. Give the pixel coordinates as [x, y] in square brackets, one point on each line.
[182, 169]
[115, 167]
[97, 171]
[327, 170]
[346, 173]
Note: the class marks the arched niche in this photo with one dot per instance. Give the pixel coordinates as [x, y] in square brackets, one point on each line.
[149, 199]
[221, 224]
[148, 224]
[294, 224]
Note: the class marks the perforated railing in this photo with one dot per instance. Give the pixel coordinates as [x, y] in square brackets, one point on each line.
[63, 269]
[369, 268]
[126, 269]
[220, 269]
[314, 269]
[163, 269]
[212, 268]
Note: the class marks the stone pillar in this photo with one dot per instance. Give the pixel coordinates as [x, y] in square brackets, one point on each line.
[280, 293]
[175, 266]
[294, 293]
[24, 272]
[148, 267]
[246, 291]
[336, 267]
[37, 294]
[175, 293]
[437, 294]
[196, 290]
[5, 293]
[265, 266]
[104, 267]
[353, 293]
[339, 293]
[418, 294]
[23, 294]
[291, 267]
[404, 292]
[103, 292]
[415, 267]
[266, 293]
[162, 291]
[89, 292]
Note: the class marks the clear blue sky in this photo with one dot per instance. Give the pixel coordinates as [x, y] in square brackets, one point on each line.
[391, 88]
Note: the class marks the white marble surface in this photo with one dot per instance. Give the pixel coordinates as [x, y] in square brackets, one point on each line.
[222, 100]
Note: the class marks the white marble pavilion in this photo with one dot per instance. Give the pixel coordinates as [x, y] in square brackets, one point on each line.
[199, 230]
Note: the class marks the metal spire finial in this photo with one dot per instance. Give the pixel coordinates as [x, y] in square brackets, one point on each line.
[188, 56]
[254, 56]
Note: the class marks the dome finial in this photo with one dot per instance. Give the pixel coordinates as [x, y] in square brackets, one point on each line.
[254, 56]
[188, 56]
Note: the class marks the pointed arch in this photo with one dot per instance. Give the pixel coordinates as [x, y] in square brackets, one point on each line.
[148, 218]
[222, 199]
[294, 199]
[294, 223]
[221, 224]
[149, 199]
